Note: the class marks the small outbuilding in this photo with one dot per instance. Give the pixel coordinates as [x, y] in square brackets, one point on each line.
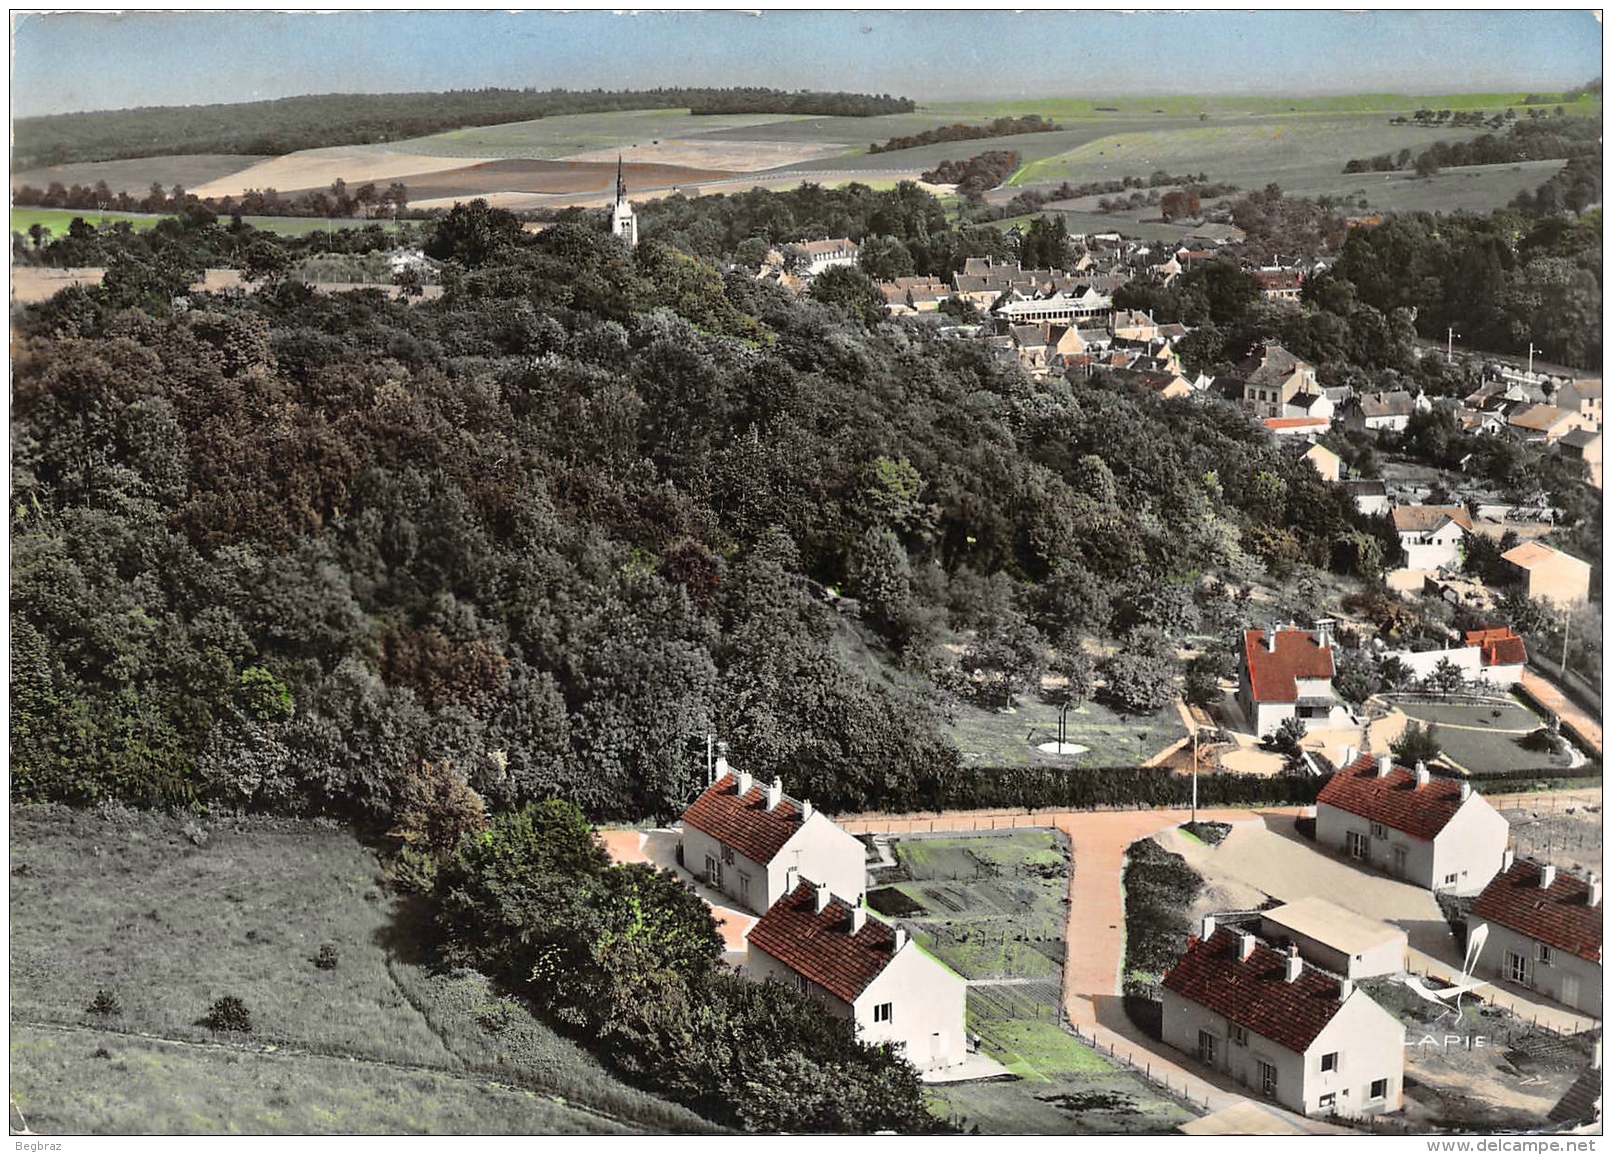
[1336, 939]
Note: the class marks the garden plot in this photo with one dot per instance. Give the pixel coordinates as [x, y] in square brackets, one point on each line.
[1489, 1071]
[992, 907]
[1569, 835]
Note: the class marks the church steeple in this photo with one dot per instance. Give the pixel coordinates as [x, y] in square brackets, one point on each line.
[621, 182]
[623, 221]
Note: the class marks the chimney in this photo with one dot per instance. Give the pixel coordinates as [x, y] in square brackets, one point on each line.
[1466, 791]
[1208, 931]
[1422, 776]
[823, 899]
[1346, 987]
[744, 779]
[859, 918]
[805, 811]
[1349, 756]
[1295, 965]
[1385, 765]
[1270, 639]
[1507, 860]
[775, 793]
[1323, 632]
[901, 938]
[1547, 876]
[1245, 945]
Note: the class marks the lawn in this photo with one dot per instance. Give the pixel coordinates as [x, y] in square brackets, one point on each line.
[58, 220]
[102, 1083]
[1481, 743]
[127, 902]
[991, 738]
[993, 909]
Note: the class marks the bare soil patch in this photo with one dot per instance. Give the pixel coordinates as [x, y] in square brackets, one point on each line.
[731, 155]
[319, 168]
[550, 176]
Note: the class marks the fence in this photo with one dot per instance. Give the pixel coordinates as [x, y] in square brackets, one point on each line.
[1178, 1088]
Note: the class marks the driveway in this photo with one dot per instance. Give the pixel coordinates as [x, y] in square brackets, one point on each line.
[659, 848]
[1549, 696]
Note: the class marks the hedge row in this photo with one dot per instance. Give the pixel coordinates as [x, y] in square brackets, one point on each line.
[1123, 787]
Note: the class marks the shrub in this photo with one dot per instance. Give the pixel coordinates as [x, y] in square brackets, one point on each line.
[228, 1014]
[1417, 744]
[1544, 740]
[105, 1004]
[327, 958]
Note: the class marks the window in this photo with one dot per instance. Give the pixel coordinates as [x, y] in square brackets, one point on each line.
[1267, 1079]
[1378, 830]
[744, 888]
[1206, 1048]
[802, 984]
[1329, 1061]
[1544, 955]
[883, 1012]
[1329, 1102]
[1379, 1090]
[1356, 843]
[727, 855]
[1239, 1035]
[1451, 879]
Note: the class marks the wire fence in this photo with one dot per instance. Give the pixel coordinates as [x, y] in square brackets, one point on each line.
[1143, 1064]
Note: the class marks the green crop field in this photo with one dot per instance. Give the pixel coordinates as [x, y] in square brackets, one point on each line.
[128, 902]
[56, 221]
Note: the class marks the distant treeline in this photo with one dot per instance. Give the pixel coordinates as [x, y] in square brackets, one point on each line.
[366, 200]
[276, 127]
[1553, 138]
[747, 100]
[977, 173]
[1001, 126]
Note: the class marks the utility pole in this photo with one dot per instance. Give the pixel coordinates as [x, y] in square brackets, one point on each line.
[1449, 343]
[1195, 732]
[1567, 626]
[1530, 358]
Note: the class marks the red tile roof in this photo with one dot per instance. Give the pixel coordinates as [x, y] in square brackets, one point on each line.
[1395, 800]
[1272, 676]
[744, 823]
[1500, 646]
[1560, 916]
[1254, 993]
[821, 945]
[1297, 423]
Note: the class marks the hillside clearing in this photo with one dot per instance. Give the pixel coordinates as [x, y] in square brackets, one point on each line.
[136, 177]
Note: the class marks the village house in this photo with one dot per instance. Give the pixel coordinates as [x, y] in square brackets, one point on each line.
[1583, 444]
[1272, 377]
[1501, 655]
[1132, 325]
[820, 256]
[1335, 938]
[1314, 405]
[1284, 285]
[1307, 427]
[1543, 424]
[1544, 932]
[861, 969]
[1287, 673]
[1166, 385]
[1582, 396]
[742, 838]
[1311, 1041]
[1431, 535]
[1434, 832]
[1370, 497]
[1548, 575]
[1325, 462]
[1067, 306]
[1381, 410]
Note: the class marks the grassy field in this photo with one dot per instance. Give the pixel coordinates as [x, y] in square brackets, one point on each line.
[126, 902]
[1387, 104]
[136, 177]
[991, 738]
[558, 136]
[995, 903]
[1481, 743]
[58, 220]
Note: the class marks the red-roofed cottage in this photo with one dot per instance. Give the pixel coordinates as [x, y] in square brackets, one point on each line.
[1544, 932]
[863, 970]
[1304, 1038]
[1503, 655]
[741, 837]
[1285, 674]
[1434, 832]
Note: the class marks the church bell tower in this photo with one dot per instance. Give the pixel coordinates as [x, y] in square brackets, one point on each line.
[623, 221]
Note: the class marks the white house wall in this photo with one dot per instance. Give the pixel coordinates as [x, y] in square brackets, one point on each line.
[826, 855]
[1545, 979]
[761, 966]
[1470, 847]
[1370, 1045]
[744, 881]
[1333, 825]
[928, 1010]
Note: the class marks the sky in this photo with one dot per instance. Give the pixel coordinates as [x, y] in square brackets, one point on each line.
[71, 62]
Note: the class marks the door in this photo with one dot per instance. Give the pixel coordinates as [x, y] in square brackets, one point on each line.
[1206, 1048]
[1397, 868]
[1357, 844]
[1517, 967]
[1570, 991]
[713, 871]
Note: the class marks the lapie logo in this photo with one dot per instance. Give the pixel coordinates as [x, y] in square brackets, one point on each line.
[1450, 1042]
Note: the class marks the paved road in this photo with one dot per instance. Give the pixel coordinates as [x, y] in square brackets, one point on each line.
[1559, 703]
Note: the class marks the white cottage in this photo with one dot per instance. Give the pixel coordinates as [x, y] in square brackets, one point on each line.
[863, 970]
[1544, 932]
[1432, 536]
[1287, 673]
[741, 837]
[1434, 832]
[1289, 1032]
